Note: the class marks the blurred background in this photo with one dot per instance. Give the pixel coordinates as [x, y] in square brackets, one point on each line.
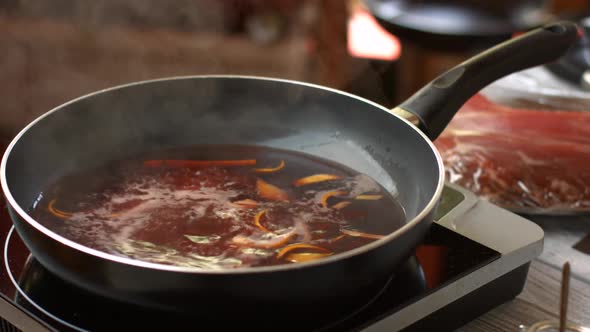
[53, 51]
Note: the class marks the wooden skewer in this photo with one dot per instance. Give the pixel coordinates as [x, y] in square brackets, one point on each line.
[565, 285]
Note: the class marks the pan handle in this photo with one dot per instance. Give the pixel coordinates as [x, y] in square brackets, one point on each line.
[433, 106]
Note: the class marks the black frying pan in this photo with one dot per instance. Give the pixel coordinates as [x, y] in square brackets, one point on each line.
[369, 138]
[457, 25]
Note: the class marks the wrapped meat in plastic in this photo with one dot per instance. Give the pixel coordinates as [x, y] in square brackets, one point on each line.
[525, 160]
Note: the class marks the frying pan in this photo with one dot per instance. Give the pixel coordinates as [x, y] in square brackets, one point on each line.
[392, 146]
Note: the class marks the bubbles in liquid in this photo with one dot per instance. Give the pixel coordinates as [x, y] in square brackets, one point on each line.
[217, 216]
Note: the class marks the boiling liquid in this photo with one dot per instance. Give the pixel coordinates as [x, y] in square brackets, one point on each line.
[217, 216]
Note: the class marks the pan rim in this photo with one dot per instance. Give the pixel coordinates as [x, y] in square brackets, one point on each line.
[420, 217]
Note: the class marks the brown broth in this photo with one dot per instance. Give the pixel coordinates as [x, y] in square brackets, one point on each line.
[203, 216]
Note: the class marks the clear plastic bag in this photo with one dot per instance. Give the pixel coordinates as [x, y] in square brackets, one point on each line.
[529, 160]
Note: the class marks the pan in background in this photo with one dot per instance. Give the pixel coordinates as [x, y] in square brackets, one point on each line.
[458, 24]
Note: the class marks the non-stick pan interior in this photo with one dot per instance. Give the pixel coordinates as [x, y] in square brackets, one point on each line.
[122, 121]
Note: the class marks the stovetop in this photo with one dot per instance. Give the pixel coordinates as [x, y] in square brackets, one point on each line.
[442, 259]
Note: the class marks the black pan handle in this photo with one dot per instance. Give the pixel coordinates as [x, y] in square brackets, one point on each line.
[433, 106]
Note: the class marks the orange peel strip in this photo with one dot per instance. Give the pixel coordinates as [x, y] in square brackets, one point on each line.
[295, 246]
[257, 221]
[306, 256]
[56, 212]
[361, 234]
[369, 197]
[315, 179]
[198, 163]
[329, 194]
[269, 191]
[272, 169]
[341, 205]
[332, 240]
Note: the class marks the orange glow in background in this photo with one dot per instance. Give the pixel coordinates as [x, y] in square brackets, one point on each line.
[367, 39]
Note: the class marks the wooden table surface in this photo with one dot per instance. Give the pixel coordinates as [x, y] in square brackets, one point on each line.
[540, 297]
